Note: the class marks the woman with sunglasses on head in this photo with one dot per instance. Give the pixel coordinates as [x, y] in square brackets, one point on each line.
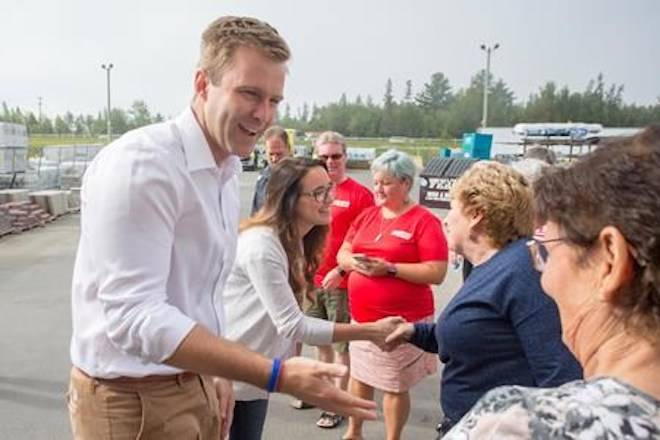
[600, 261]
[500, 328]
[392, 253]
[278, 253]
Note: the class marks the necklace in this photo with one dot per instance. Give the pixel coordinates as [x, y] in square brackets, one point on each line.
[390, 221]
[384, 227]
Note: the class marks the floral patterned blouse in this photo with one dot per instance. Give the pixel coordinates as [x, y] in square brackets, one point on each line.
[603, 408]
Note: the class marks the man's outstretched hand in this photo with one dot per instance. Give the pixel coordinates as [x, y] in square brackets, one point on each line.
[312, 382]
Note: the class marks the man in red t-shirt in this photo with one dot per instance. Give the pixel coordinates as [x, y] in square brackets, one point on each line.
[330, 294]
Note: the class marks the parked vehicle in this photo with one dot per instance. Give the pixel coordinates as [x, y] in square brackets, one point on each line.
[255, 161]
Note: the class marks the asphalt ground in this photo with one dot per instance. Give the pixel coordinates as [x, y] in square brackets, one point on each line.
[35, 317]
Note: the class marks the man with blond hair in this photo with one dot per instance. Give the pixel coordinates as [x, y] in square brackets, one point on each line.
[330, 294]
[158, 238]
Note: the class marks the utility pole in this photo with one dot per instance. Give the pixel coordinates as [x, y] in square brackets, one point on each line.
[107, 68]
[488, 50]
[40, 100]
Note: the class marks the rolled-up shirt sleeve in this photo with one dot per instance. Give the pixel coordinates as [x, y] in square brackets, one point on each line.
[266, 267]
[131, 232]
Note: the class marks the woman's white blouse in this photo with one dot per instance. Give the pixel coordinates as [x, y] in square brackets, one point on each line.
[261, 309]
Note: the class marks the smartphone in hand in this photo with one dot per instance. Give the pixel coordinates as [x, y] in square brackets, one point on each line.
[361, 258]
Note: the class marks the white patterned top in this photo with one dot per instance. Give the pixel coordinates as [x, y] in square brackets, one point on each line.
[602, 408]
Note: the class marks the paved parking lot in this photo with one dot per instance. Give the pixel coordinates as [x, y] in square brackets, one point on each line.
[35, 277]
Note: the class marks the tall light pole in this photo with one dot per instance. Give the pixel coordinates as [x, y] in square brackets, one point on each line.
[40, 101]
[488, 50]
[107, 68]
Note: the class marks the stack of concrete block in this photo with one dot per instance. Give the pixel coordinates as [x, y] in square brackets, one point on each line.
[5, 221]
[13, 195]
[74, 199]
[25, 215]
[54, 202]
[69, 181]
[8, 198]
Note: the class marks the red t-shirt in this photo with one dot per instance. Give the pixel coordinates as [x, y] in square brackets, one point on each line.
[413, 237]
[351, 198]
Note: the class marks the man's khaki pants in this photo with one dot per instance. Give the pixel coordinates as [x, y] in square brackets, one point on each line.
[183, 406]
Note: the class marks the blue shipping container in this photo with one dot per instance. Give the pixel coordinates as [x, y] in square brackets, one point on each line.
[477, 145]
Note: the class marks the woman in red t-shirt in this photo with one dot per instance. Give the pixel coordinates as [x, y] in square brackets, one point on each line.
[393, 251]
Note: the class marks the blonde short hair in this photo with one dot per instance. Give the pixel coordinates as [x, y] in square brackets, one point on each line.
[225, 35]
[331, 137]
[502, 195]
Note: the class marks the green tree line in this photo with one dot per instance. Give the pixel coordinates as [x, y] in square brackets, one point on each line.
[436, 110]
[82, 125]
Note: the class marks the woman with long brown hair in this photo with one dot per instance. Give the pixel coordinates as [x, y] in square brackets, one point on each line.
[279, 250]
[393, 252]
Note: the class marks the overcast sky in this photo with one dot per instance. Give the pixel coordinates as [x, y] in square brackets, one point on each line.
[54, 49]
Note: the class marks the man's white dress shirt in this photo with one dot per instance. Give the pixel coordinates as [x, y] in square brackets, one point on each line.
[262, 311]
[159, 225]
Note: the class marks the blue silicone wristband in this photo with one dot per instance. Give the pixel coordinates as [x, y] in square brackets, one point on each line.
[274, 375]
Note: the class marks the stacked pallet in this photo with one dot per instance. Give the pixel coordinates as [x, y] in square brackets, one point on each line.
[24, 215]
[13, 195]
[7, 198]
[69, 181]
[74, 199]
[54, 202]
[5, 221]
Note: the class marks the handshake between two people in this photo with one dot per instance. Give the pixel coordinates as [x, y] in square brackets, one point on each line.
[312, 381]
[392, 331]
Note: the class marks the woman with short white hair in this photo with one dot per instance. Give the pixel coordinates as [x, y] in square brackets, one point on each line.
[393, 252]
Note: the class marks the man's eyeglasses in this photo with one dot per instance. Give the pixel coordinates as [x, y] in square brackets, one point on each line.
[325, 157]
[539, 251]
[321, 195]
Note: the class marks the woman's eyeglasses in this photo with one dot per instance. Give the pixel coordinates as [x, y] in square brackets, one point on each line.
[321, 195]
[539, 251]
